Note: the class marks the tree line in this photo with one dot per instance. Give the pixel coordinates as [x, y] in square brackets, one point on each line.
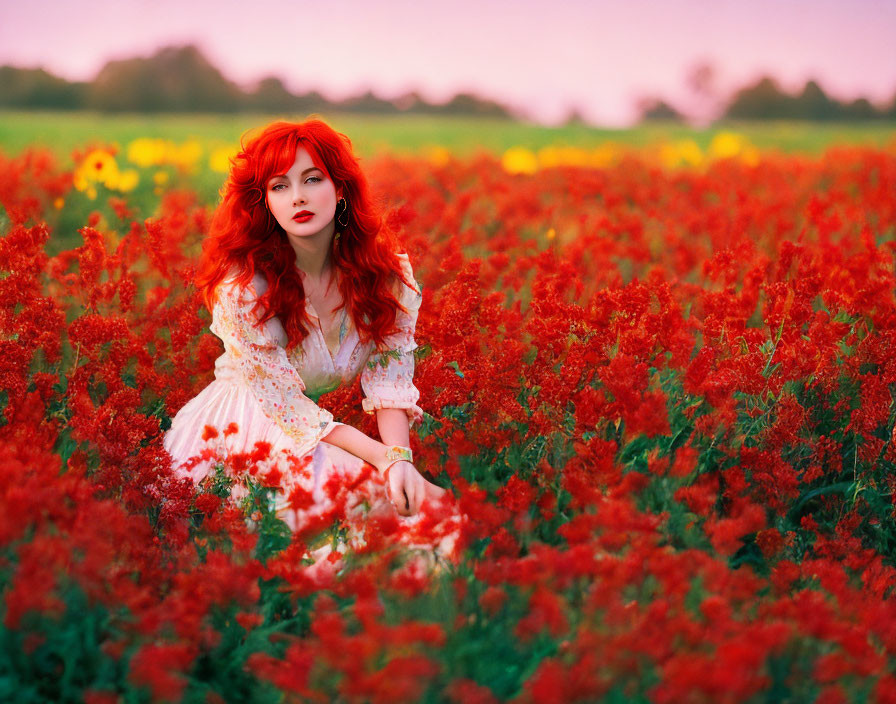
[766, 100]
[182, 79]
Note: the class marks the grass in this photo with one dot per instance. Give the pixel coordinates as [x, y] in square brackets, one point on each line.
[65, 131]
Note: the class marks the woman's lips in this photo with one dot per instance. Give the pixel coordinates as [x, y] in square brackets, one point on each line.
[304, 216]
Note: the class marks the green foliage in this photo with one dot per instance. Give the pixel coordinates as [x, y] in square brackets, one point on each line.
[382, 358]
[55, 658]
[273, 534]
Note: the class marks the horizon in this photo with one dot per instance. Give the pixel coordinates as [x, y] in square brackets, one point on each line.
[577, 45]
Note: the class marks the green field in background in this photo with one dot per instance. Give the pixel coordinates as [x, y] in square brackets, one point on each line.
[65, 131]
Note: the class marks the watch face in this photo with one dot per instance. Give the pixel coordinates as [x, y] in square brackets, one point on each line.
[399, 453]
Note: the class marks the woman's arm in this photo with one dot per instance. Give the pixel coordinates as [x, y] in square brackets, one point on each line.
[404, 480]
[394, 426]
[360, 445]
[388, 384]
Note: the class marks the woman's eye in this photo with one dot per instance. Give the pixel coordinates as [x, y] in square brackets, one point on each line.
[277, 187]
[312, 178]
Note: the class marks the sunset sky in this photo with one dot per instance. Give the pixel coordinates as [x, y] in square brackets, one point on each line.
[541, 57]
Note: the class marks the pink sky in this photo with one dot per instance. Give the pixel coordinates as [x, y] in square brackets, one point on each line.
[542, 57]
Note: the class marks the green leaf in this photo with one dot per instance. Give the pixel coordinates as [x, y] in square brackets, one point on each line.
[382, 358]
[456, 369]
[840, 487]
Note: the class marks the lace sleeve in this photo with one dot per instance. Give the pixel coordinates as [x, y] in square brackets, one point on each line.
[387, 379]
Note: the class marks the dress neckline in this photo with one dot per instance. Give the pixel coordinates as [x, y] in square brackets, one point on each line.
[343, 331]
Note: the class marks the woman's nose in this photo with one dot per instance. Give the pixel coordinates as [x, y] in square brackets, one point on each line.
[299, 197]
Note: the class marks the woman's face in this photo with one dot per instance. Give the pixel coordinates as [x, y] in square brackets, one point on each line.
[303, 200]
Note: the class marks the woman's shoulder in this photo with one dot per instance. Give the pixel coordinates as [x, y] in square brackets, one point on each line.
[232, 285]
[408, 291]
[404, 262]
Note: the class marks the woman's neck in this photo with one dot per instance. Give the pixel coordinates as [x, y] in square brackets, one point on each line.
[314, 255]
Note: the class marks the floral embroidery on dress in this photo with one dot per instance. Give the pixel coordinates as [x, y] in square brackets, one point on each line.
[265, 367]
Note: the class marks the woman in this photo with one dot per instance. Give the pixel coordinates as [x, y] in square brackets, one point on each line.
[307, 291]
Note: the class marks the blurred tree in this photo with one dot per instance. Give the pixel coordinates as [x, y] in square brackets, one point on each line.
[656, 110]
[762, 100]
[469, 104]
[176, 79]
[411, 102]
[701, 82]
[271, 96]
[35, 88]
[701, 79]
[765, 101]
[575, 118]
[814, 104]
[368, 102]
[861, 109]
[890, 111]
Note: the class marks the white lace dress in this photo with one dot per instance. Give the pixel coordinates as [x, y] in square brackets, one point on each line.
[270, 394]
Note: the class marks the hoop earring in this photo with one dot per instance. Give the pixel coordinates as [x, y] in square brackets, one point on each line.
[344, 204]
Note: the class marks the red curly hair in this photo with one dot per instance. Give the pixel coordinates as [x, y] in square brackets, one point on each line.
[245, 236]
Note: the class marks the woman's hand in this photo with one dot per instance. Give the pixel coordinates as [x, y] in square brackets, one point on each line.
[407, 488]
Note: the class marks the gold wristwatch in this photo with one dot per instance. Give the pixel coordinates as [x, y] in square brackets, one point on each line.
[397, 453]
[394, 454]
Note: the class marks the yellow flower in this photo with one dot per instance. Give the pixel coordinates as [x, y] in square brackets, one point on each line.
[680, 152]
[160, 178]
[79, 180]
[100, 167]
[219, 160]
[519, 160]
[187, 155]
[128, 180]
[727, 144]
[551, 234]
[562, 156]
[605, 155]
[146, 152]
[438, 156]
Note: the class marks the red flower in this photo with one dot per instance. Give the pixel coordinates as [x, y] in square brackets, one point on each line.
[161, 669]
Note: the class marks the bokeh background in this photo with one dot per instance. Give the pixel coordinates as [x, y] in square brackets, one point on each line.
[461, 75]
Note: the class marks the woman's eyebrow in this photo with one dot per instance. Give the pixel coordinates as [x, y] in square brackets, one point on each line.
[311, 168]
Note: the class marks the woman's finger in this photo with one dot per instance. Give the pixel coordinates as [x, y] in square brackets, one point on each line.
[402, 502]
[409, 492]
[390, 493]
[434, 490]
[395, 490]
[419, 492]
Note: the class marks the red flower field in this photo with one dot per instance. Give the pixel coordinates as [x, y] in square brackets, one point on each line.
[664, 398]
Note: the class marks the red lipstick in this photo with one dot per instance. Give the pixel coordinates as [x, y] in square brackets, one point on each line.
[303, 216]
